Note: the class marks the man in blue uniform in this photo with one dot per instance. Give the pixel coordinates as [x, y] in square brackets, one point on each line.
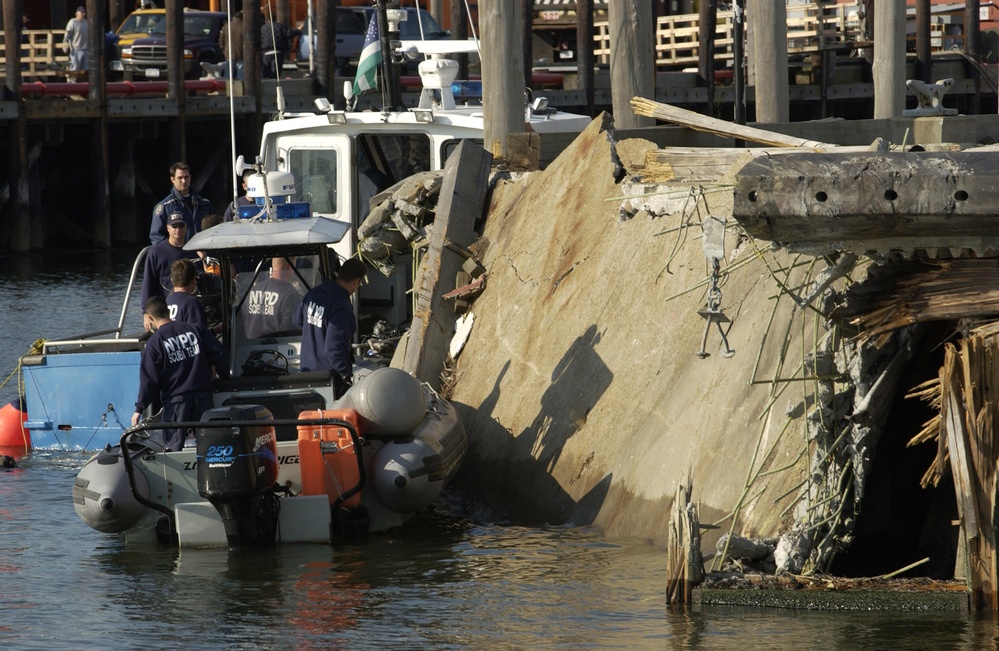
[176, 371]
[269, 308]
[156, 279]
[181, 301]
[181, 200]
[326, 317]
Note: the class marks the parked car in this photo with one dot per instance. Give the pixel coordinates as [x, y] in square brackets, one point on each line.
[350, 30]
[147, 57]
[409, 29]
[351, 27]
[136, 25]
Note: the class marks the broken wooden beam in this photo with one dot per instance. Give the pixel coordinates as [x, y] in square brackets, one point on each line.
[698, 122]
[473, 287]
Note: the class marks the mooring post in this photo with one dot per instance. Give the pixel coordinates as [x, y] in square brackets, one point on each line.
[707, 22]
[324, 51]
[584, 52]
[175, 76]
[527, 44]
[20, 232]
[769, 52]
[632, 60]
[889, 59]
[97, 94]
[502, 77]
[459, 32]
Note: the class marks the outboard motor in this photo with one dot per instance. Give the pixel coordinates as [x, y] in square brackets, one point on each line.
[237, 470]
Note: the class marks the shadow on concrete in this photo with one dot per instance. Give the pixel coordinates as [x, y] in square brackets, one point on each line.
[509, 478]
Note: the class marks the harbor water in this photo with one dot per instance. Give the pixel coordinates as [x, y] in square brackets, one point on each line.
[445, 581]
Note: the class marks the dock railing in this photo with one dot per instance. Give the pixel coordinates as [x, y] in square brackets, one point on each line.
[41, 53]
[811, 28]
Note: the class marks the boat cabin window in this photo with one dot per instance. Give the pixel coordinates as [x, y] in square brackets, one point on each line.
[448, 148]
[315, 173]
[395, 156]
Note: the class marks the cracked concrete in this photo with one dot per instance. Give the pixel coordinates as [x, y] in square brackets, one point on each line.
[587, 404]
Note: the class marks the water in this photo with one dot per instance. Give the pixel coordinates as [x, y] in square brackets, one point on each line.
[441, 582]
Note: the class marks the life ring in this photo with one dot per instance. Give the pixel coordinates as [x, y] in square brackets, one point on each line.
[13, 435]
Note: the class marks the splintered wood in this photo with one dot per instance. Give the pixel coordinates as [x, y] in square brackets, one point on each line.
[894, 296]
[684, 566]
[968, 397]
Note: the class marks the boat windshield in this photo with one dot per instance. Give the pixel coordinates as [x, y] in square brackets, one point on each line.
[316, 170]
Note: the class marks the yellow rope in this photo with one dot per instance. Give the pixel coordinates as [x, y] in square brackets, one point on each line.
[35, 349]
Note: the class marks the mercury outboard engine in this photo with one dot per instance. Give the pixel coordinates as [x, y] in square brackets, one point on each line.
[237, 470]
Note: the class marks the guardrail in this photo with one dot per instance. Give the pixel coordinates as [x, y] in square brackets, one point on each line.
[41, 53]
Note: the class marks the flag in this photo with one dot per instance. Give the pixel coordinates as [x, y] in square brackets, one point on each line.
[370, 59]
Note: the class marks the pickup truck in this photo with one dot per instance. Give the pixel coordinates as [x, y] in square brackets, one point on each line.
[146, 58]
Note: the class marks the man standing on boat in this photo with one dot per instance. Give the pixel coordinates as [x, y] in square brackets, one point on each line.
[326, 317]
[181, 200]
[269, 308]
[178, 364]
[181, 301]
[156, 274]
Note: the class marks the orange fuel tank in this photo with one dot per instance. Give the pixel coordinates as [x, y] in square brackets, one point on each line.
[327, 456]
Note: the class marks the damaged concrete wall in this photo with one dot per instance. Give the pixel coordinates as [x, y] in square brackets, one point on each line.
[579, 385]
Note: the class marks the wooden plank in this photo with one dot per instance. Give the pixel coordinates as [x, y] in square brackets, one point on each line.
[461, 202]
[698, 122]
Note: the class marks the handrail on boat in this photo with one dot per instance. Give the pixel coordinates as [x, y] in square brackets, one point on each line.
[139, 261]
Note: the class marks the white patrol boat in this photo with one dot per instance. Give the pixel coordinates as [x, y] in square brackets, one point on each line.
[342, 159]
[279, 458]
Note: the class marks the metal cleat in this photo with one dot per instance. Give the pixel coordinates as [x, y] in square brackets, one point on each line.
[930, 98]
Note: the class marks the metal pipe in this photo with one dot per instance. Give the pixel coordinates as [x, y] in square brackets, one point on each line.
[122, 88]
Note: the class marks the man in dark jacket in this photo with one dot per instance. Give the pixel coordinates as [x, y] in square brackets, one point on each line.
[178, 364]
[326, 317]
[273, 45]
[182, 303]
[156, 274]
[181, 199]
[234, 50]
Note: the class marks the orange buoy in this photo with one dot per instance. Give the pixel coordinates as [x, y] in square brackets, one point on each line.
[13, 436]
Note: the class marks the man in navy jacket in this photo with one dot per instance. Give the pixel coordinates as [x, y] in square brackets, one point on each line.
[178, 364]
[181, 200]
[326, 317]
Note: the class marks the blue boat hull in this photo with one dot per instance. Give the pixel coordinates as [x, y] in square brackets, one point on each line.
[80, 400]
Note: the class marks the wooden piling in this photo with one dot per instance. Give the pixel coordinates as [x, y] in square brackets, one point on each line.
[175, 76]
[459, 32]
[769, 53]
[969, 379]
[632, 60]
[684, 565]
[708, 20]
[527, 39]
[584, 52]
[97, 74]
[889, 59]
[924, 61]
[20, 233]
[324, 66]
[502, 77]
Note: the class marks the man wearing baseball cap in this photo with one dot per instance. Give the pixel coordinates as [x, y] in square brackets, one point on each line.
[156, 273]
